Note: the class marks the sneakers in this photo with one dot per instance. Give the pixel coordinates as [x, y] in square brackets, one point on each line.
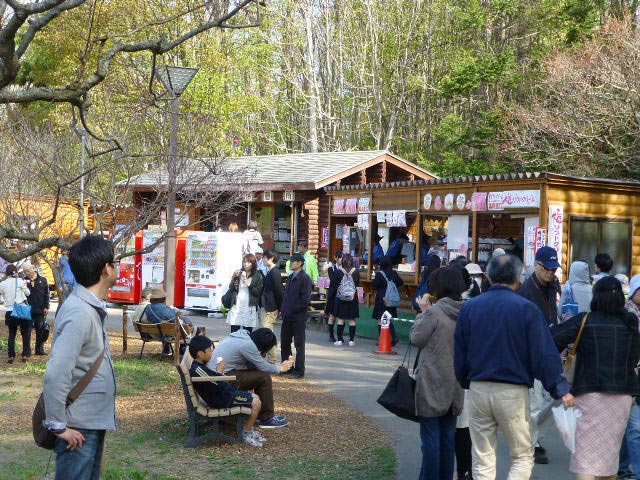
[540, 456]
[338, 343]
[250, 438]
[351, 343]
[296, 374]
[276, 421]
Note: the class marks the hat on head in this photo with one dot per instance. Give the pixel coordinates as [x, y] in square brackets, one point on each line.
[634, 284]
[548, 257]
[147, 291]
[158, 293]
[499, 251]
[624, 281]
[473, 269]
[304, 243]
[297, 257]
[259, 250]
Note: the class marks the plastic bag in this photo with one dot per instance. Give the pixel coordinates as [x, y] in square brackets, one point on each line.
[566, 420]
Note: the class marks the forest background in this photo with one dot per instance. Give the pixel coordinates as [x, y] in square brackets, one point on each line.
[459, 87]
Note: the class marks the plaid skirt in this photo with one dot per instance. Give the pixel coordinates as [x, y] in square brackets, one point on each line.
[599, 433]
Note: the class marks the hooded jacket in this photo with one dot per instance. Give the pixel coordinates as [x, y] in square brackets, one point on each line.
[437, 389]
[240, 353]
[580, 285]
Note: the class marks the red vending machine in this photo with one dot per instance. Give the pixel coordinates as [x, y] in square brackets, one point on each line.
[128, 286]
[181, 257]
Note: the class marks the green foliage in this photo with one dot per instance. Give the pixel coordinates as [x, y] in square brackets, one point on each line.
[134, 376]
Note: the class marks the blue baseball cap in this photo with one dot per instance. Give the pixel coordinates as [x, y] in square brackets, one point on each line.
[548, 257]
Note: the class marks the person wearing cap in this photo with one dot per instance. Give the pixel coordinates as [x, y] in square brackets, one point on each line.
[296, 301]
[477, 275]
[158, 312]
[631, 442]
[262, 266]
[252, 238]
[138, 314]
[542, 288]
[310, 263]
[502, 343]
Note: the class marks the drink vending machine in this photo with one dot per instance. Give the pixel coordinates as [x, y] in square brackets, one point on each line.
[152, 264]
[211, 259]
[128, 285]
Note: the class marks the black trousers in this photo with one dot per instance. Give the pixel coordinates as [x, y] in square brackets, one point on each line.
[38, 325]
[463, 451]
[25, 332]
[297, 332]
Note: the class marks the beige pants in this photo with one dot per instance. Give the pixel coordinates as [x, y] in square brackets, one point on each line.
[269, 321]
[507, 406]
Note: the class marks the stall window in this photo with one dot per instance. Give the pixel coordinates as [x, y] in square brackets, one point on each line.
[590, 236]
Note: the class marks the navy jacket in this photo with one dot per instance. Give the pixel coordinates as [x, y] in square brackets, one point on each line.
[543, 296]
[297, 298]
[502, 337]
[215, 394]
[273, 291]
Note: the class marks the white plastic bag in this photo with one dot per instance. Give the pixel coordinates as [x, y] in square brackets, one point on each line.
[566, 420]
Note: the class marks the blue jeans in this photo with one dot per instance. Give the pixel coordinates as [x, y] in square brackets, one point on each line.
[632, 437]
[82, 463]
[438, 447]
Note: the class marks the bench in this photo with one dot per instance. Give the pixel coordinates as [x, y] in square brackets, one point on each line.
[155, 332]
[204, 422]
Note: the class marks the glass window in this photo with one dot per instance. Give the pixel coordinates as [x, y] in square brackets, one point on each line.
[590, 236]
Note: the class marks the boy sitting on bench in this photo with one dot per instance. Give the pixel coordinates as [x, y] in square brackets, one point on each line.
[222, 394]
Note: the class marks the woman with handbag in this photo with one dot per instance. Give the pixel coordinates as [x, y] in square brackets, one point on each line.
[346, 309]
[439, 397]
[247, 285]
[605, 381]
[379, 285]
[15, 291]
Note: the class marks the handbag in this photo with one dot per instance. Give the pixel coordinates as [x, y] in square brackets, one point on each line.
[399, 395]
[569, 369]
[21, 310]
[229, 298]
[44, 437]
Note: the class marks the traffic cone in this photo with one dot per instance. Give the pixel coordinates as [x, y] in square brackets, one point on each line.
[384, 344]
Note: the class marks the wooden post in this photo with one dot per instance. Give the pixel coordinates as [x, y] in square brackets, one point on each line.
[176, 347]
[125, 328]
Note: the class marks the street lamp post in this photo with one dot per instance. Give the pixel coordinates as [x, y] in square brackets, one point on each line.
[175, 80]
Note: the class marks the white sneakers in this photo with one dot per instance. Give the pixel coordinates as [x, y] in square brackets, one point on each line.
[253, 438]
[338, 343]
[351, 344]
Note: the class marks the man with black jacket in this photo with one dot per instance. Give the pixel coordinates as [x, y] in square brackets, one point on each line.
[272, 294]
[297, 298]
[39, 301]
[542, 288]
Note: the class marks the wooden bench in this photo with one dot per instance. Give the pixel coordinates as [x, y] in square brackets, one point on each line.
[204, 422]
[155, 332]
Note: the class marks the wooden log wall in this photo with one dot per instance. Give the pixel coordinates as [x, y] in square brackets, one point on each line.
[594, 203]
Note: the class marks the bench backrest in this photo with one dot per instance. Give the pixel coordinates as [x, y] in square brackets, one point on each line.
[185, 379]
[159, 330]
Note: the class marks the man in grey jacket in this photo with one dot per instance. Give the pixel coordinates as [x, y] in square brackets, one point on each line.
[243, 354]
[80, 337]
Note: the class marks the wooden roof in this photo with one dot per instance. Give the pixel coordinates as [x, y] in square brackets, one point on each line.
[299, 171]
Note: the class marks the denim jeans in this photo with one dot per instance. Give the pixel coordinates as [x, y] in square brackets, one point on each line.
[632, 437]
[438, 447]
[82, 463]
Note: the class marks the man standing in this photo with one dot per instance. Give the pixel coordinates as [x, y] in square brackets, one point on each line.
[297, 298]
[272, 295]
[501, 344]
[80, 338]
[542, 288]
[39, 301]
[310, 262]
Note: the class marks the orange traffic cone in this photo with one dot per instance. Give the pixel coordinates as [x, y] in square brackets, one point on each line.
[384, 344]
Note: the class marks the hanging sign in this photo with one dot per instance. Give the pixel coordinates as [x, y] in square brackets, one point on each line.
[351, 207]
[556, 220]
[540, 239]
[479, 201]
[381, 217]
[495, 201]
[288, 196]
[325, 237]
[267, 196]
[363, 205]
[363, 221]
[338, 206]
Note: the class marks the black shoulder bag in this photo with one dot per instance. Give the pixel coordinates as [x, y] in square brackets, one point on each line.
[399, 395]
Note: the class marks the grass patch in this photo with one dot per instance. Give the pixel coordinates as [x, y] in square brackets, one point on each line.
[135, 376]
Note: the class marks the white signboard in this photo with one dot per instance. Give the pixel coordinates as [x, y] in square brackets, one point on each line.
[458, 234]
[513, 199]
[556, 220]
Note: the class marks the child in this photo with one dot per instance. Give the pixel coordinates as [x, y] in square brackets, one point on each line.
[222, 394]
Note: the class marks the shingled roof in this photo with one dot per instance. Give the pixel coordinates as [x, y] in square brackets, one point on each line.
[304, 170]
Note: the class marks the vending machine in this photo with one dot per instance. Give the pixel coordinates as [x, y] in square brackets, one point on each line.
[153, 263]
[128, 285]
[211, 259]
